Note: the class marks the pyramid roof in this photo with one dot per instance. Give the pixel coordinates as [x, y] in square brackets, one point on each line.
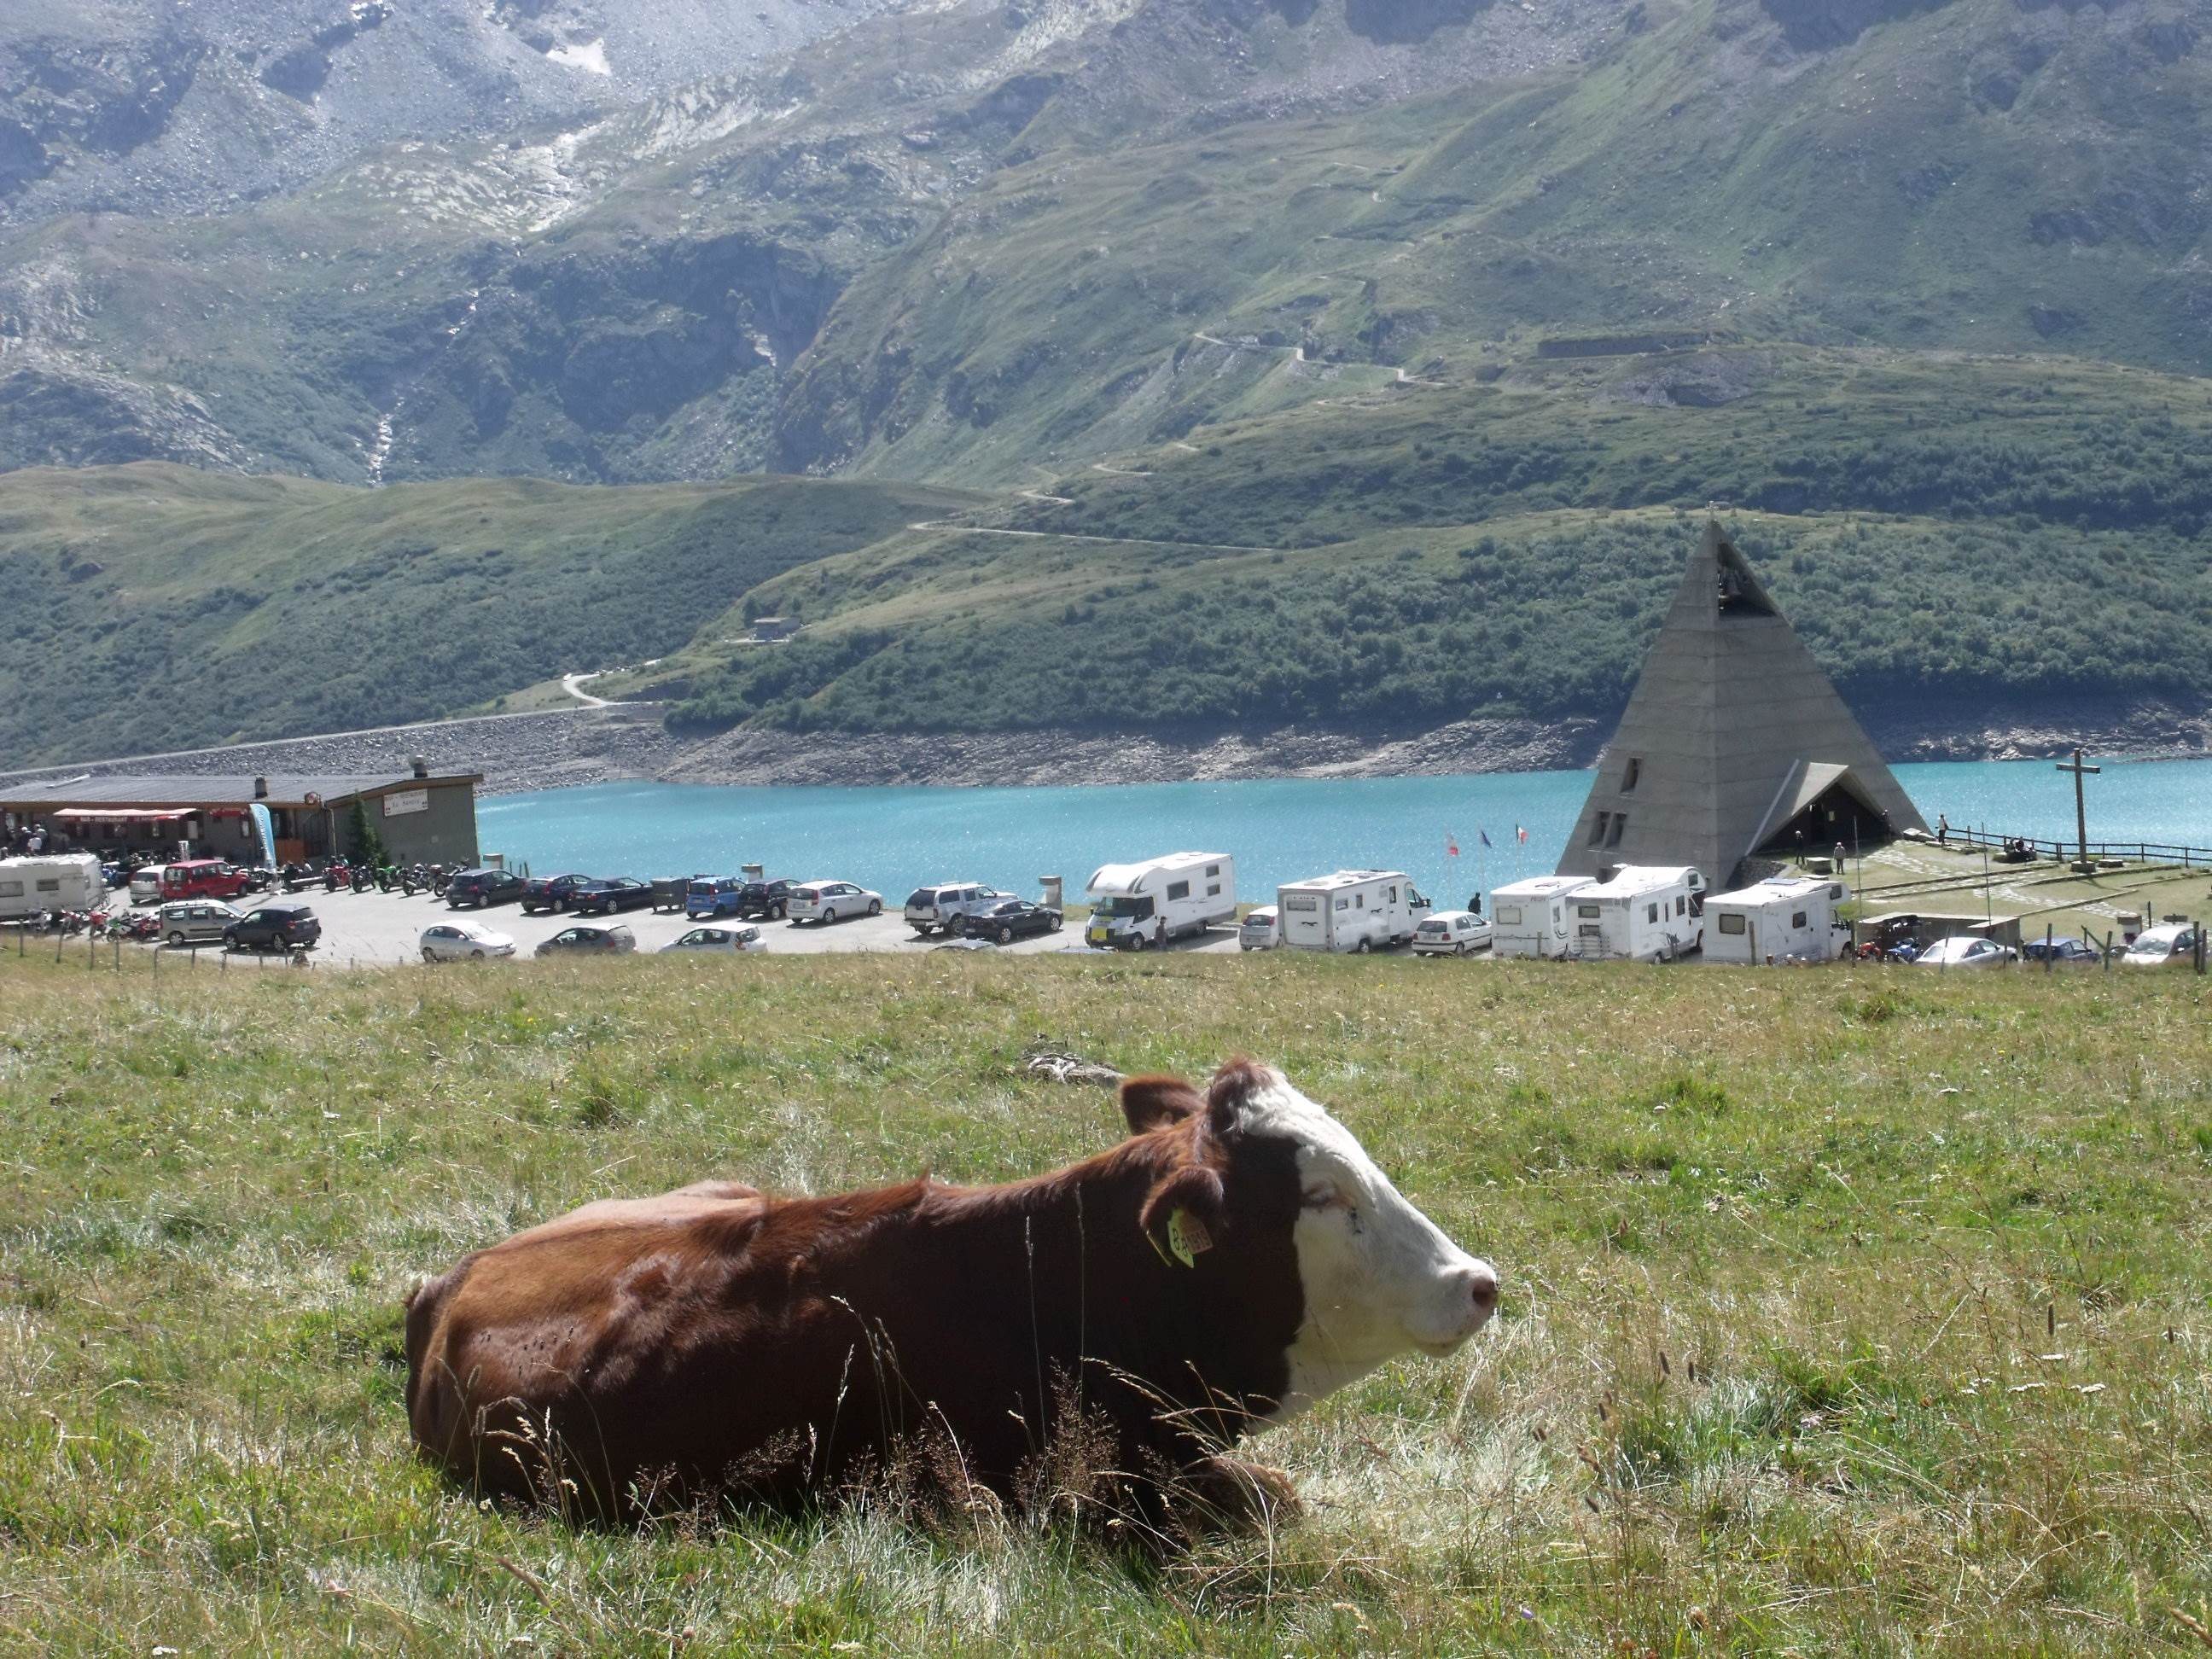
[1732, 731]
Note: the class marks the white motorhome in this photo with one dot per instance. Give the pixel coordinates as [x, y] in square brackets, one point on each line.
[1639, 912]
[53, 881]
[1532, 917]
[1134, 905]
[1783, 919]
[1352, 910]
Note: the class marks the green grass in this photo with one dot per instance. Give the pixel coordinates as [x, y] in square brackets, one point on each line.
[1845, 1313]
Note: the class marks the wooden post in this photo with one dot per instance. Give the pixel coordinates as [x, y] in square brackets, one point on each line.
[2080, 810]
[2047, 942]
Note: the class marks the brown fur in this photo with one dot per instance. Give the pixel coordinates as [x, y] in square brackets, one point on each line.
[716, 1341]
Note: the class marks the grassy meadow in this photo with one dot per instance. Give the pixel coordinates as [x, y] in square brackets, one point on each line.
[1845, 1312]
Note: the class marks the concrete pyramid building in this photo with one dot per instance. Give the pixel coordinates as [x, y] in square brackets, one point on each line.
[1734, 747]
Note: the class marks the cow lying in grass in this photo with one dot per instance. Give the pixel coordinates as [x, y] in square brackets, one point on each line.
[1236, 1259]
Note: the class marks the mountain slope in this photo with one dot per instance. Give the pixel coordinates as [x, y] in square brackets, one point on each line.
[155, 607]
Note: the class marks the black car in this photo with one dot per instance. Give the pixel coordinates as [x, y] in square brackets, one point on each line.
[551, 892]
[1007, 921]
[603, 898]
[284, 926]
[474, 888]
[756, 899]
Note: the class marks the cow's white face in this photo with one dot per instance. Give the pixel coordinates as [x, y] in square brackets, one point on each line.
[1380, 1278]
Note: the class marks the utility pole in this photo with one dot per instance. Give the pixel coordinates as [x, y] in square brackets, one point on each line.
[2080, 811]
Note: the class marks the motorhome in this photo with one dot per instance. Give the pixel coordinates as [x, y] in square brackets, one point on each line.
[1639, 912]
[1783, 919]
[1358, 910]
[1134, 905]
[1531, 918]
[69, 881]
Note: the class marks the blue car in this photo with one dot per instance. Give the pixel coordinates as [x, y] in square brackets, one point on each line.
[713, 896]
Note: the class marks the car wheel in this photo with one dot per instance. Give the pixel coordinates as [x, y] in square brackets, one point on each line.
[1005, 936]
[429, 955]
[176, 941]
[1137, 941]
[829, 916]
[476, 956]
[875, 906]
[1362, 948]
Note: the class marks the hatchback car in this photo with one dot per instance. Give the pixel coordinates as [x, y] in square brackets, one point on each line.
[1966, 950]
[196, 921]
[1261, 930]
[464, 941]
[478, 888]
[2171, 945]
[611, 939]
[605, 898]
[725, 938]
[550, 892]
[1007, 921]
[289, 925]
[941, 905]
[2062, 952]
[827, 901]
[764, 898]
[1452, 933]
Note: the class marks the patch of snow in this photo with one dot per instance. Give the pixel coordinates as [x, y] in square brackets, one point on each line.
[592, 55]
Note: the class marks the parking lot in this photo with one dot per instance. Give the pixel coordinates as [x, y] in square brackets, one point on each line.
[362, 928]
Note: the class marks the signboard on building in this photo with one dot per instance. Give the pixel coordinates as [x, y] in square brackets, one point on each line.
[401, 802]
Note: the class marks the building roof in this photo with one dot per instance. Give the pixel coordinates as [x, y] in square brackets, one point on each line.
[1347, 878]
[126, 790]
[1732, 730]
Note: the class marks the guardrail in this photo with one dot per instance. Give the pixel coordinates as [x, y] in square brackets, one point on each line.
[2143, 852]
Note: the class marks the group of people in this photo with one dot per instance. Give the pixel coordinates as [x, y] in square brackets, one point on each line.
[30, 839]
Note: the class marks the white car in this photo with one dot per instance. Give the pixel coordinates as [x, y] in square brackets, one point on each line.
[1966, 950]
[1452, 933]
[2172, 945]
[728, 939]
[833, 900]
[464, 941]
[1261, 930]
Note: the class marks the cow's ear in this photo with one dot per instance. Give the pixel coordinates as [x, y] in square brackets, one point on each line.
[1233, 1085]
[1183, 1214]
[1149, 1103]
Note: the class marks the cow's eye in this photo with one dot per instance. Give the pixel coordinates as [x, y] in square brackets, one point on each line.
[1321, 1196]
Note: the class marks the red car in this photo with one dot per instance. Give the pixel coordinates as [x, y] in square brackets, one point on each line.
[201, 879]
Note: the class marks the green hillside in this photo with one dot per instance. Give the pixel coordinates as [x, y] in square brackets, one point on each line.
[154, 607]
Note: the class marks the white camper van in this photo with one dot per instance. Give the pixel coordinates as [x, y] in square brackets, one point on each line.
[1639, 912]
[1352, 910]
[1784, 919]
[1134, 905]
[1532, 918]
[54, 881]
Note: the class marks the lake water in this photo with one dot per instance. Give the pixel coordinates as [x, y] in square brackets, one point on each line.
[1280, 830]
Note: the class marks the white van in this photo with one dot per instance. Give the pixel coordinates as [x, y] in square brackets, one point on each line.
[1358, 910]
[1783, 919]
[1531, 919]
[1134, 905]
[1639, 912]
[51, 881]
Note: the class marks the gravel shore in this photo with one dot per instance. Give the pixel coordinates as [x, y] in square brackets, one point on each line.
[563, 747]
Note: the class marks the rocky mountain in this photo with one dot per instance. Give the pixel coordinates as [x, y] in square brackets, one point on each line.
[971, 238]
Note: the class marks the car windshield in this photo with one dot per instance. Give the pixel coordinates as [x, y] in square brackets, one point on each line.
[1132, 909]
[1430, 927]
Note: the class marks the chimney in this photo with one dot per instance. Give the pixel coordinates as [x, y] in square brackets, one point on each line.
[261, 789]
[420, 767]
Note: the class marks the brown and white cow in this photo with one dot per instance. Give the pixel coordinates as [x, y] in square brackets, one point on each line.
[1236, 1259]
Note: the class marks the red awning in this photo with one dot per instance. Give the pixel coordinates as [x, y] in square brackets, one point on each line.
[105, 813]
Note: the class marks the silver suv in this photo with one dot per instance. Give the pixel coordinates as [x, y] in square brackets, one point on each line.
[196, 921]
[935, 908]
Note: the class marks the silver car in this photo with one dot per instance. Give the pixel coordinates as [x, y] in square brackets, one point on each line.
[599, 939]
[833, 900]
[464, 941]
[941, 905]
[728, 938]
[196, 921]
[1966, 950]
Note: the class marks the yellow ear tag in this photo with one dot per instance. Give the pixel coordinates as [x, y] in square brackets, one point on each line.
[1187, 1237]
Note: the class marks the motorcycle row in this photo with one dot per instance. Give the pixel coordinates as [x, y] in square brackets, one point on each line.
[360, 878]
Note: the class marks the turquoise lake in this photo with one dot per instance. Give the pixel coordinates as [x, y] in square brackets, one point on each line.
[1279, 830]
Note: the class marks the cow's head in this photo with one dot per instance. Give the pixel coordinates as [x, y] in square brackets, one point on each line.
[1258, 1170]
